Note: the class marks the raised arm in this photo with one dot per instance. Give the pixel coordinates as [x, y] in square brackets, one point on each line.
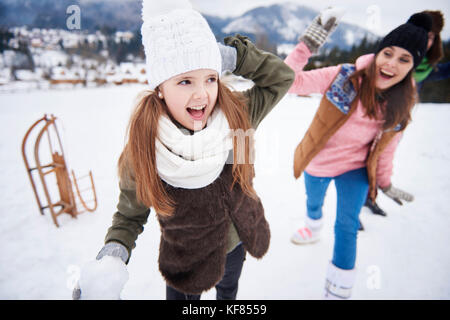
[308, 82]
[318, 80]
[271, 76]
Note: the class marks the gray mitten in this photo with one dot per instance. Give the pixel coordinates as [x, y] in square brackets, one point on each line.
[397, 195]
[113, 249]
[229, 57]
[321, 28]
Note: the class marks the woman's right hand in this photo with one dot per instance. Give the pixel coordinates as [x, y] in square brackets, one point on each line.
[105, 277]
[397, 194]
[321, 28]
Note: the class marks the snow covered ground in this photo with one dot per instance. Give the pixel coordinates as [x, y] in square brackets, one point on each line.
[402, 256]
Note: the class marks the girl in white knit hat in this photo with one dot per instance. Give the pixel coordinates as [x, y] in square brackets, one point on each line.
[189, 156]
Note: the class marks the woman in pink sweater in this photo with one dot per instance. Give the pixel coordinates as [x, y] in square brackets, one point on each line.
[353, 136]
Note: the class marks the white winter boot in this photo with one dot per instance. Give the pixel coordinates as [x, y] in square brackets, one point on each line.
[309, 233]
[339, 283]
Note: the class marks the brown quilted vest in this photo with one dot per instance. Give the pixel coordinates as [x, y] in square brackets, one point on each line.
[334, 110]
[193, 239]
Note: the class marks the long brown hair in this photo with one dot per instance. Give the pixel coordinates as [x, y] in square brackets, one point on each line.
[436, 51]
[138, 162]
[393, 105]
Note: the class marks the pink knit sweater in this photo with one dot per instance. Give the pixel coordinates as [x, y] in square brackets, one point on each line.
[348, 148]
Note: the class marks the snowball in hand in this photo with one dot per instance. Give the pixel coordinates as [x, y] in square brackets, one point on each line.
[103, 279]
[331, 12]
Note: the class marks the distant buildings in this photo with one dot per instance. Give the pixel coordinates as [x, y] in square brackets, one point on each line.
[47, 58]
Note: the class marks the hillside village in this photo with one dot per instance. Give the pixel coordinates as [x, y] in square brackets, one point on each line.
[54, 58]
[46, 55]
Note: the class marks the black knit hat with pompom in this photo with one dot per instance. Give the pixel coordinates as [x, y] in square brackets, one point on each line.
[421, 19]
[411, 36]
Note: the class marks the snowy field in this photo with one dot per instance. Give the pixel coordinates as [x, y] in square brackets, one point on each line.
[402, 256]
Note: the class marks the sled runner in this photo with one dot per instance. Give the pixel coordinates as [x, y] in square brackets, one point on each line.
[54, 180]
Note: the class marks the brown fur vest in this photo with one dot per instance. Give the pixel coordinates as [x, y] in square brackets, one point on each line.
[193, 240]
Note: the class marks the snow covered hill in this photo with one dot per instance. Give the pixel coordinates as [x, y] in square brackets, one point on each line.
[402, 256]
[284, 23]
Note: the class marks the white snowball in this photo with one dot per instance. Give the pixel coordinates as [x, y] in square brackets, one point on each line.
[103, 279]
[152, 8]
[328, 13]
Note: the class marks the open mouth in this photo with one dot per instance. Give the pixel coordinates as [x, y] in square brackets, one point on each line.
[386, 74]
[197, 112]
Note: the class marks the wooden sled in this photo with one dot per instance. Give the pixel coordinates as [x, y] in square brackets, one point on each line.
[56, 168]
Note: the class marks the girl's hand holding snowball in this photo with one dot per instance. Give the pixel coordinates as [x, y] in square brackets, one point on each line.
[105, 277]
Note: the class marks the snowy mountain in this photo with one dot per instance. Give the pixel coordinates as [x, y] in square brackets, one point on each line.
[282, 23]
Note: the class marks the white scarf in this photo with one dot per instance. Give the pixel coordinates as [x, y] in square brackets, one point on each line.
[193, 161]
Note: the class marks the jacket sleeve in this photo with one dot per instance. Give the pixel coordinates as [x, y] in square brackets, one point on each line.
[271, 76]
[128, 222]
[307, 82]
[441, 72]
[385, 162]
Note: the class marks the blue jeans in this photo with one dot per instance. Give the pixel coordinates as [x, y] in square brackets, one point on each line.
[352, 188]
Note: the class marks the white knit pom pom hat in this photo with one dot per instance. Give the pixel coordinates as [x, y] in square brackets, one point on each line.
[176, 39]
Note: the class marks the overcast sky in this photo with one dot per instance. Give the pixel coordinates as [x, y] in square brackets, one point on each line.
[380, 16]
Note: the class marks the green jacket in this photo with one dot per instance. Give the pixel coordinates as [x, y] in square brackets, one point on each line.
[272, 79]
[422, 71]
